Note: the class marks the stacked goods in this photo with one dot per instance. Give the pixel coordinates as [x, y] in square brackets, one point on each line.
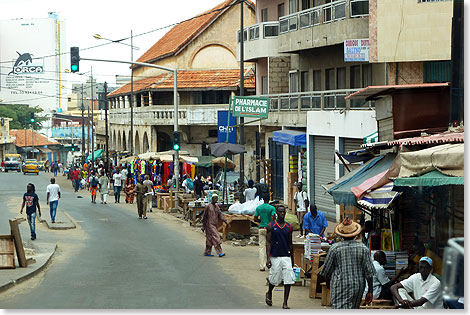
[401, 260]
[302, 168]
[293, 164]
[312, 245]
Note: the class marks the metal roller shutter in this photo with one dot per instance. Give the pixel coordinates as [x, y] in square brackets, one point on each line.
[351, 144]
[324, 171]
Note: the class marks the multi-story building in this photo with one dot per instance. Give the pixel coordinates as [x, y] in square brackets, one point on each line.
[6, 140]
[203, 49]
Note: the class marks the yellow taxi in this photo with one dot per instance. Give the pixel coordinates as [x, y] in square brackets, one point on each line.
[31, 166]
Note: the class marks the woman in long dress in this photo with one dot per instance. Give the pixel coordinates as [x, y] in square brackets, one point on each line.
[129, 190]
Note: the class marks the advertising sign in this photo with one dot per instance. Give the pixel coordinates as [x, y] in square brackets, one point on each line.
[222, 127]
[356, 50]
[253, 107]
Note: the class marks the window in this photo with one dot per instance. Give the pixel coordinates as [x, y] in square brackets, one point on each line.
[280, 10]
[359, 8]
[69, 99]
[341, 78]
[284, 26]
[264, 15]
[271, 30]
[317, 80]
[355, 77]
[292, 6]
[305, 4]
[293, 82]
[437, 71]
[254, 32]
[264, 85]
[293, 23]
[329, 79]
[304, 81]
[366, 75]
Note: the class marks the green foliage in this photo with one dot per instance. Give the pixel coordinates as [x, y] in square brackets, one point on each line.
[21, 115]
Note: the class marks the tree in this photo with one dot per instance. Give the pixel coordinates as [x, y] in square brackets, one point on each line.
[20, 115]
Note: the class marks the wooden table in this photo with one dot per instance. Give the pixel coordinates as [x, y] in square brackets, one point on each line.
[299, 256]
[317, 265]
[240, 223]
[194, 211]
[160, 199]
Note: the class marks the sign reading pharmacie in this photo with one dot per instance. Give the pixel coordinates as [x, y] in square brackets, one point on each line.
[250, 106]
[356, 50]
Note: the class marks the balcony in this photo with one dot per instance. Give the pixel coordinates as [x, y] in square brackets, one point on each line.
[164, 115]
[260, 41]
[290, 109]
[324, 25]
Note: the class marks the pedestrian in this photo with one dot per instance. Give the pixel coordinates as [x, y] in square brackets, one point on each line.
[60, 167]
[103, 186]
[93, 186]
[188, 184]
[198, 187]
[280, 258]
[124, 172]
[301, 205]
[55, 167]
[3, 165]
[46, 166]
[129, 190]
[31, 200]
[250, 192]
[117, 184]
[264, 214]
[210, 222]
[150, 193]
[426, 288]
[52, 198]
[76, 179]
[315, 222]
[347, 268]
[140, 190]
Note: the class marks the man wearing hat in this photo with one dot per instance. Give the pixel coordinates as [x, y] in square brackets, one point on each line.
[347, 268]
[426, 288]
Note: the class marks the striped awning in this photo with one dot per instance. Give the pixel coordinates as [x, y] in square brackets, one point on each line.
[379, 198]
[373, 137]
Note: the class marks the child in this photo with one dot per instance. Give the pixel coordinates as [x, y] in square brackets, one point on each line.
[32, 201]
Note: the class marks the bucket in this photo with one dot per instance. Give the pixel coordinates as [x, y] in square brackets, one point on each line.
[297, 273]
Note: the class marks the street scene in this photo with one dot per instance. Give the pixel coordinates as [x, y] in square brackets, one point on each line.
[237, 154]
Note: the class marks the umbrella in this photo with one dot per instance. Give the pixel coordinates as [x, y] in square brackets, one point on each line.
[221, 162]
[221, 149]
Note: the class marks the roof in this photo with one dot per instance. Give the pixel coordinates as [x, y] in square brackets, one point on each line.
[24, 138]
[182, 33]
[441, 138]
[191, 79]
[372, 91]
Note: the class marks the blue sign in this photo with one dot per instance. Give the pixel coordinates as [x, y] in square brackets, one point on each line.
[222, 127]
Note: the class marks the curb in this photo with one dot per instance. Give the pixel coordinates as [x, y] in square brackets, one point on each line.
[66, 226]
[27, 276]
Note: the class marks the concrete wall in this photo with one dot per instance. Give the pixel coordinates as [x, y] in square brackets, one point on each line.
[408, 72]
[410, 30]
[261, 71]
[271, 5]
[278, 75]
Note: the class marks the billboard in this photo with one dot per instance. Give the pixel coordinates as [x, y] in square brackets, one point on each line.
[356, 50]
[222, 127]
[32, 63]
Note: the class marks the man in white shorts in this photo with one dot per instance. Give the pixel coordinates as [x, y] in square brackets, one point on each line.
[280, 259]
[301, 205]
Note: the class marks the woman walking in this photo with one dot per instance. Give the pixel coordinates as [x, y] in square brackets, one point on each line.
[129, 190]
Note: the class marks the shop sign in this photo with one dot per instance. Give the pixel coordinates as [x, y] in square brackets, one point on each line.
[356, 50]
[248, 106]
[222, 127]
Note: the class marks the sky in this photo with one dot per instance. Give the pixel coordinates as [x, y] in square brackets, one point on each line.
[110, 19]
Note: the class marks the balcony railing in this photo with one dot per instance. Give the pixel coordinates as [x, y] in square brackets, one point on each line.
[323, 14]
[316, 100]
[260, 30]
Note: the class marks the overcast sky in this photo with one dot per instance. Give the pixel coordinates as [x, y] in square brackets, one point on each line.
[110, 19]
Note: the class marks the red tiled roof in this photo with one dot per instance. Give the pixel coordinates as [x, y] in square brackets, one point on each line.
[24, 138]
[191, 79]
[181, 34]
[449, 137]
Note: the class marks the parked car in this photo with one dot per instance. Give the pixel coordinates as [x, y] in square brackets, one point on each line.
[12, 162]
[31, 166]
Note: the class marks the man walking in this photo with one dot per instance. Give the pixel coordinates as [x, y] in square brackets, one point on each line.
[75, 179]
[103, 186]
[93, 186]
[140, 190]
[55, 167]
[31, 200]
[52, 198]
[347, 268]
[117, 184]
[315, 222]
[280, 259]
[301, 205]
[149, 194]
[210, 221]
[264, 214]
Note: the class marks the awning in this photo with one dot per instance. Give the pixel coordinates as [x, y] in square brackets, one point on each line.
[204, 161]
[380, 198]
[374, 91]
[44, 150]
[433, 178]
[97, 154]
[358, 156]
[291, 137]
[341, 188]
[373, 137]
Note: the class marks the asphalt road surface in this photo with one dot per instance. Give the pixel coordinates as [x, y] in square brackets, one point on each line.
[114, 260]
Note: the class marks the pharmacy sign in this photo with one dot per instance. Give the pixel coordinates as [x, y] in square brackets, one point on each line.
[247, 106]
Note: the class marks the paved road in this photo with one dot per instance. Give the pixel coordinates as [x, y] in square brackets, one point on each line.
[114, 260]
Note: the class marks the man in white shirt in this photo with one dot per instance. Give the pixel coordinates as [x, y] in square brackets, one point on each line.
[53, 196]
[250, 192]
[124, 173]
[426, 288]
[301, 204]
[117, 183]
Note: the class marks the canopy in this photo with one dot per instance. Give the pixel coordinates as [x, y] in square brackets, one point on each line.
[221, 162]
[149, 156]
[204, 161]
[433, 178]
[380, 198]
[341, 188]
[373, 137]
[447, 158]
[98, 154]
[128, 159]
[291, 137]
[223, 148]
[172, 152]
[189, 159]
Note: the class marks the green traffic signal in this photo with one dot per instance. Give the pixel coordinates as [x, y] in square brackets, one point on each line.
[176, 140]
[31, 119]
[74, 59]
[74, 68]
[176, 147]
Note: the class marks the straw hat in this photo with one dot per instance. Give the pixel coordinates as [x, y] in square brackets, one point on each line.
[348, 228]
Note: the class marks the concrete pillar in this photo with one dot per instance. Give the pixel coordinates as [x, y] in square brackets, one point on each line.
[150, 99]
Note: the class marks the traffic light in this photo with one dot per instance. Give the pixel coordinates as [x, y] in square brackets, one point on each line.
[176, 140]
[73, 148]
[31, 118]
[74, 59]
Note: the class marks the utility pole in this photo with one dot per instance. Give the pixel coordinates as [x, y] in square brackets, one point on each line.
[131, 103]
[88, 129]
[92, 123]
[456, 116]
[242, 93]
[106, 124]
[83, 130]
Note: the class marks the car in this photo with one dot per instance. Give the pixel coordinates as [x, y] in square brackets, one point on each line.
[232, 178]
[31, 166]
[12, 162]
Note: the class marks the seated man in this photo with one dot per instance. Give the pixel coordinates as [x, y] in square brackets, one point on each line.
[419, 250]
[315, 222]
[426, 288]
[380, 282]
